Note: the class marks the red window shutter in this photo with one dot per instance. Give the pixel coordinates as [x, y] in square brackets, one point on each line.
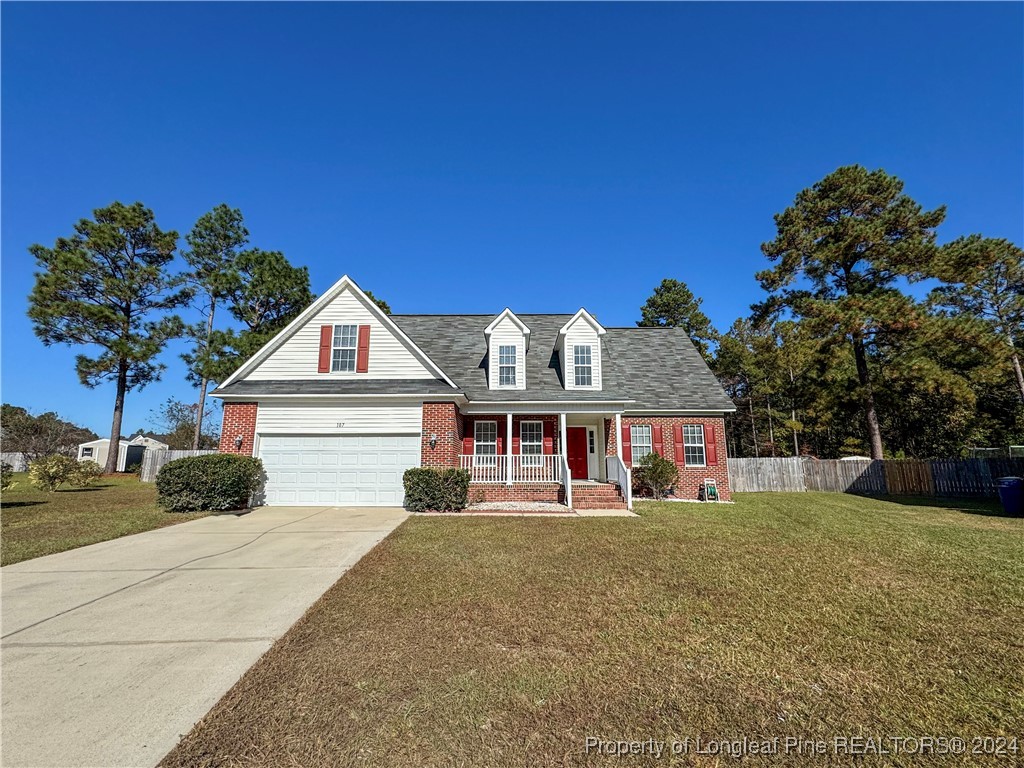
[549, 438]
[709, 446]
[657, 442]
[627, 446]
[363, 350]
[467, 446]
[501, 436]
[677, 442]
[515, 446]
[326, 337]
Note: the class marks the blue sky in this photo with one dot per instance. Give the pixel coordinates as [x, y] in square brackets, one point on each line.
[461, 158]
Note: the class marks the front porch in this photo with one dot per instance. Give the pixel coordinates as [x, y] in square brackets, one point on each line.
[566, 458]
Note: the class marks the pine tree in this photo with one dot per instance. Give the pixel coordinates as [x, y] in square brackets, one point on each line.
[673, 305]
[844, 242]
[107, 287]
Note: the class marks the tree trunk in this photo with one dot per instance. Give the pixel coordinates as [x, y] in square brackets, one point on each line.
[201, 405]
[753, 424]
[867, 397]
[792, 413]
[1016, 369]
[771, 426]
[115, 428]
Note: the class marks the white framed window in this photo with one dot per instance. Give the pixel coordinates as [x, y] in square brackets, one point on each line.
[531, 443]
[582, 362]
[86, 452]
[485, 443]
[693, 445]
[343, 348]
[507, 365]
[640, 442]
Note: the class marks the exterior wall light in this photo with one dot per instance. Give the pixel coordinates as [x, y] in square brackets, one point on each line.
[433, 442]
[238, 442]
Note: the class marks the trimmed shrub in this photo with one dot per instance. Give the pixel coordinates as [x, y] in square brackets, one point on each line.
[50, 472]
[213, 482]
[6, 476]
[655, 474]
[86, 473]
[436, 490]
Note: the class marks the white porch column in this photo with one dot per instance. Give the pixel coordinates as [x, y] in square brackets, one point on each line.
[508, 448]
[563, 436]
[618, 435]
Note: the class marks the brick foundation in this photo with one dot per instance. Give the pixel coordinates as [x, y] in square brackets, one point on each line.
[239, 419]
[443, 420]
[690, 478]
[552, 492]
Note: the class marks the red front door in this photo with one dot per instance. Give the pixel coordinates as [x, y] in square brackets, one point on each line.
[576, 445]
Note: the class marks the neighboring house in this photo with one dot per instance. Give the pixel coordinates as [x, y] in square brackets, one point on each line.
[130, 449]
[345, 399]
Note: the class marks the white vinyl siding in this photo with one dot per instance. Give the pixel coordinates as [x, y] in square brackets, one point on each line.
[640, 442]
[581, 334]
[297, 417]
[506, 334]
[298, 356]
[343, 348]
[507, 365]
[693, 445]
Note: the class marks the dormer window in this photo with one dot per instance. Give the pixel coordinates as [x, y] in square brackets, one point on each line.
[343, 349]
[507, 365]
[583, 365]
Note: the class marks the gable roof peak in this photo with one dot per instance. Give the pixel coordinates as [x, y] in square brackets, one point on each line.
[507, 313]
[582, 315]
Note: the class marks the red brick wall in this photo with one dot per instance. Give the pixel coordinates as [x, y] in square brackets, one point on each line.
[443, 420]
[239, 419]
[690, 478]
[553, 492]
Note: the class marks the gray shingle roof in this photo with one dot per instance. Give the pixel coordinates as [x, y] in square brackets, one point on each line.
[657, 368]
[649, 368]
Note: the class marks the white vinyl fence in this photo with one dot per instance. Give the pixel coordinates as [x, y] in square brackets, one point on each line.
[16, 460]
[153, 460]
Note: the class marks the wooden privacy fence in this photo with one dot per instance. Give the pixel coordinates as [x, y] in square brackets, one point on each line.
[153, 460]
[895, 477]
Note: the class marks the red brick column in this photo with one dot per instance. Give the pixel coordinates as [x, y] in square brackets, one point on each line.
[239, 419]
[443, 420]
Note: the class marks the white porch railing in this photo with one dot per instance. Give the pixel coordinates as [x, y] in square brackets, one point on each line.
[566, 480]
[521, 469]
[618, 472]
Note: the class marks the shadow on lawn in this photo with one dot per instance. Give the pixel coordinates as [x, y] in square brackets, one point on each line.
[987, 507]
[10, 504]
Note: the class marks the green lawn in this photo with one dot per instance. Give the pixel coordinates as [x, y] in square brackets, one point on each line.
[509, 641]
[34, 523]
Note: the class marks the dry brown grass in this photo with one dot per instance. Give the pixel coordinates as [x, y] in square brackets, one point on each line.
[36, 523]
[507, 641]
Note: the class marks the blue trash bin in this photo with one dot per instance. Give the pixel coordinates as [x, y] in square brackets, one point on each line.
[1011, 495]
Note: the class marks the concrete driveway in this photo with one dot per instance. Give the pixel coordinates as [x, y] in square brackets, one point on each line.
[111, 652]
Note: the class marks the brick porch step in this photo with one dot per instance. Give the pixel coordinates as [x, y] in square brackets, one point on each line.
[597, 496]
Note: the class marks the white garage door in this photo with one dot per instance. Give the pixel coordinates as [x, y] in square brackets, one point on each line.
[354, 470]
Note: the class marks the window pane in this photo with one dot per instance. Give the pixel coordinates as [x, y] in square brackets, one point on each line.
[584, 376]
[640, 439]
[693, 444]
[507, 375]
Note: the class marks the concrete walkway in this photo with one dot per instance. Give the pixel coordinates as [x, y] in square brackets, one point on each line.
[111, 652]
